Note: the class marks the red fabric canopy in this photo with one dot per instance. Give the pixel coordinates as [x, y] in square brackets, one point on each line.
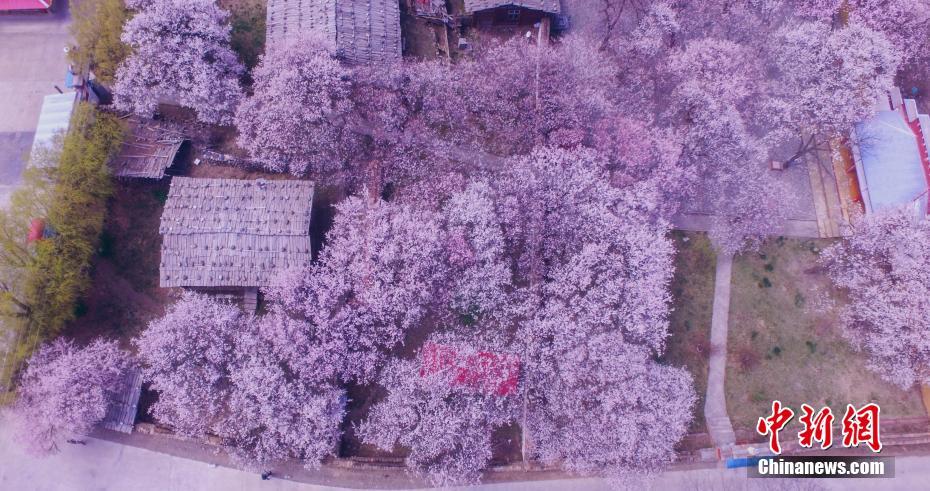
[16, 5]
[496, 373]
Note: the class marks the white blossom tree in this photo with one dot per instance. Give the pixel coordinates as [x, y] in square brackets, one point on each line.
[885, 267]
[65, 391]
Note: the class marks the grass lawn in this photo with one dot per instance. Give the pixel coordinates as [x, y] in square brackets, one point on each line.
[693, 292]
[785, 342]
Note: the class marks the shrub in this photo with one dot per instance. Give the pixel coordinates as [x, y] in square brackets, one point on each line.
[60, 272]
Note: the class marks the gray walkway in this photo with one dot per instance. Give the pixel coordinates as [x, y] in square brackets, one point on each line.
[715, 407]
[701, 222]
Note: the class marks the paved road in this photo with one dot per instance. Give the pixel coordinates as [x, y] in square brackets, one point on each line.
[32, 62]
[105, 465]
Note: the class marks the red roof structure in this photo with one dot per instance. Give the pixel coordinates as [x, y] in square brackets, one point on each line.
[496, 373]
[25, 5]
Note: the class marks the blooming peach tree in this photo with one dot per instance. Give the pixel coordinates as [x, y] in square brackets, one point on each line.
[256, 383]
[65, 391]
[885, 267]
[445, 406]
[180, 52]
[295, 121]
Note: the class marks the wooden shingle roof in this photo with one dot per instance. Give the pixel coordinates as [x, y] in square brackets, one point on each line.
[147, 151]
[359, 31]
[233, 233]
[551, 6]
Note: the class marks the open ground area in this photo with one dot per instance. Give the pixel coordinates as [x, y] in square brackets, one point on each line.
[126, 294]
[785, 341]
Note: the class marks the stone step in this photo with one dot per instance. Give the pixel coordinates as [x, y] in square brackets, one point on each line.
[721, 430]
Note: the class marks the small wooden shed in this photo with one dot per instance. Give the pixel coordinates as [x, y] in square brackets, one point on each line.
[511, 12]
[232, 234]
[148, 151]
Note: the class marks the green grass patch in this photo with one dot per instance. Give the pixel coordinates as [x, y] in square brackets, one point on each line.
[693, 301]
[247, 18]
[782, 347]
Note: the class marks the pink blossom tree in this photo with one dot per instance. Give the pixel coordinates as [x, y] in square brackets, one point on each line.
[376, 279]
[180, 52]
[278, 407]
[598, 403]
[554, 201]
[728, 72]
[438, 407]
[594, 268]
[405, 122]
[186, 355]
[641, 56]
[640, 153]
[516, 95]
[905, 23]
[479, 269]
[885, 267]
[830, 80]
[296, 119]
[259, 384]
[726, 172]
[65, 391]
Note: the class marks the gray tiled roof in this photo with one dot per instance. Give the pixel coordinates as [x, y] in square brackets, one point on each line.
[360, 31]
[233, 233]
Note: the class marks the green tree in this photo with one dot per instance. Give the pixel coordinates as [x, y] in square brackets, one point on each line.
[96, 27]
[68, 185]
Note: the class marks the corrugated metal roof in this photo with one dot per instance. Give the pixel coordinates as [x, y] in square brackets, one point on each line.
[55, 117]
[892, 173]
[551, 6]
[121, 414]
[359, 31]
[233, 233]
